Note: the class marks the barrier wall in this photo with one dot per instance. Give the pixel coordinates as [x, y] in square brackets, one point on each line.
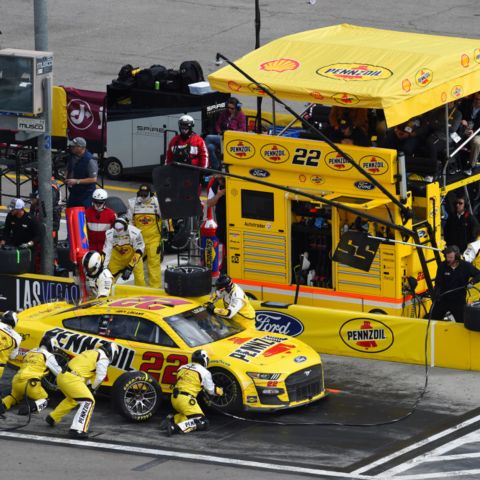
[340, 332]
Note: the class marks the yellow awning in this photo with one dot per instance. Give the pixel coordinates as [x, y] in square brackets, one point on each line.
[405, 74]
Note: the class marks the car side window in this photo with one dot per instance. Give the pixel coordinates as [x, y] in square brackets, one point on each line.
[138, 330]
[86, 323]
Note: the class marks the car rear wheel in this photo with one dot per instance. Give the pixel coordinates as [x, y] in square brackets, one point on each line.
[137, 396]
[231, 400]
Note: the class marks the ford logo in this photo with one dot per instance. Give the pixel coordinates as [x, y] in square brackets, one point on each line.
[299, 359]
[278, 322]
[258, 172]
[362, 185]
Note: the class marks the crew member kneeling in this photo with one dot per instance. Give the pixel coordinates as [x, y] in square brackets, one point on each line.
[84, 374]
[192, 378]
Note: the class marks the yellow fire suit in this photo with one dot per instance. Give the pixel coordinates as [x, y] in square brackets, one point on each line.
[88, 368]
[9, 344]
[125, 250]
[191, 379]
[27, 381]
[145, 215]
[235, 304]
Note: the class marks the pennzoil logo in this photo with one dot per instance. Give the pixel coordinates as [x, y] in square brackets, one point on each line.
[345, 99]
[274, 153]
[315, 179]
[366, 335]
[259, 90]
[374, 165]
[457, 91]
[423, 77]
[476, 55]
[337, 162]
[354, 71]
[280, 65]
[240, 149]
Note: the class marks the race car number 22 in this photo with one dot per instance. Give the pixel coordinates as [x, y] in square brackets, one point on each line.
[154, 368]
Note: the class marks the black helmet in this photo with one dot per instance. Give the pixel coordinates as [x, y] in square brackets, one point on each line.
[49, 342]
[224, 281]
[92, 263]
[10, 318]
[185, 125]
[201, 357]
[110, 349]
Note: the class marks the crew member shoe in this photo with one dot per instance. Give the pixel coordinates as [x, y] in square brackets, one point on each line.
[467, 172]
[23, 410]
[170, 426]
[76, 434]
[50, 420]
[2, 408]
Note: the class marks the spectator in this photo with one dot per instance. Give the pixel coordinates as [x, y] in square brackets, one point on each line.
[232, 118]
[471, 122]
[460, 226]
[20, 229]
[187, 146]
[451, 283]
[99, 218]
[144, 213]
[82, 171]
[216, 198]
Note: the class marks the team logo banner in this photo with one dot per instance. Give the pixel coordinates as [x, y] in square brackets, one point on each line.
[357, 250]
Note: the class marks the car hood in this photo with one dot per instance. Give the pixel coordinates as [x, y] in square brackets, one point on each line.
[264, 351]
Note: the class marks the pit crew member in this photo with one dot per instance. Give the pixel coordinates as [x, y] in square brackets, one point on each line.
[98, 278]
[9, 339]
[100, 218]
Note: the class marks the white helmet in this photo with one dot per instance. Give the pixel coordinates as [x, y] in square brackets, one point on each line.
[92, 263]
[99, 198]
[185, 125]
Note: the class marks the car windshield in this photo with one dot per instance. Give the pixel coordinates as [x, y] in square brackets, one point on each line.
[198, 327]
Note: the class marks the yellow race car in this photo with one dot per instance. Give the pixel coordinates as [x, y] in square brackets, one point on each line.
[260, 371]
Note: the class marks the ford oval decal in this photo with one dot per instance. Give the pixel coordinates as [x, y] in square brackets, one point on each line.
[363, 185]
[278, 322]
[258, 172]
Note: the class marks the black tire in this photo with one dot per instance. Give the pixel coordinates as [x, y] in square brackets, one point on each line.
[177, 241]
[231, 400]
[13, 260]
[113, 168]
[137, 396]
[117, 205]
[188, 281]
[49, 381]
[63, 255]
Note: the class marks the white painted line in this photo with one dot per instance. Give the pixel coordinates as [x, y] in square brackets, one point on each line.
[452, 474]
[417, 445]
[184, 456]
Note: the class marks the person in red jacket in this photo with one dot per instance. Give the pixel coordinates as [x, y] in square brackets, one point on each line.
[187, 146]
[100, 218]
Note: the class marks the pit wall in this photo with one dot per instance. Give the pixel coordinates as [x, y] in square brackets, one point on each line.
[335, 332]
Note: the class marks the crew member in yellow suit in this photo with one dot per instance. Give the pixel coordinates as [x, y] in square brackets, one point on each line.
[123, 250]
[144, 213]
[192, 378]
[9, 339]
[28, 380]
[235, 302]
[84, 374]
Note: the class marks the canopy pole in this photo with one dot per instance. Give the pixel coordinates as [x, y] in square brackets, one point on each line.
[405, 211]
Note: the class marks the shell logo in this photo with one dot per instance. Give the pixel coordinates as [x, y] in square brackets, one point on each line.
[280, 65]
[236, 87]
[476, 55]
[337, 162]
[240, 149]
[443, 97]
[374, 165]
[274, 153]
[465, 60]
[317, 95]
[256, 90]
[457, 91]
[302, 178]
[315, 179]
[423, 77]
[354, 71]
[406, 85]
[366, 335]
[345, 99]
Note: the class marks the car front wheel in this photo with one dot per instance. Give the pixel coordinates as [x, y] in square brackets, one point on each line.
[137, 396]
[231, 400]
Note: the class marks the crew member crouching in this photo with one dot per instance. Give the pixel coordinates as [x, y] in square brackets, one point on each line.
[192, 378]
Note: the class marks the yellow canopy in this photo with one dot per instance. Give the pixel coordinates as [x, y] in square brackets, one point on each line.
[405, 74]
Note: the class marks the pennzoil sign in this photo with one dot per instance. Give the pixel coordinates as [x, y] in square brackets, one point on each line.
[354, 71]
[366, 335]
[374, 165]
[274, 153]
[240, 149]
[337, 162]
